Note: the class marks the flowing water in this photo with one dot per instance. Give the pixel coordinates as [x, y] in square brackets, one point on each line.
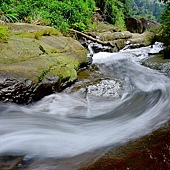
[64, 130]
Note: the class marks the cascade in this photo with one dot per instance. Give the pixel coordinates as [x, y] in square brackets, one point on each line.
[68, 129]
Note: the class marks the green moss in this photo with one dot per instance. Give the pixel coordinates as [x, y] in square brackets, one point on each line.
[18, 50]
[148, 37]
[4, 34]
[32, 31]
[47, 32]
[41, 77]
[66, 68]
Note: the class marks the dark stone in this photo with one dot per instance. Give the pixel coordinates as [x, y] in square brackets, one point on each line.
[147, 24]
[49, 85]
[10, 162]
[16, 90]
[24, 91]
[166, 52]
[148, 152]
[134, 25]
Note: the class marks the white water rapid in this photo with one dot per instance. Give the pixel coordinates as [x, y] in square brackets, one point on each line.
[132, 102]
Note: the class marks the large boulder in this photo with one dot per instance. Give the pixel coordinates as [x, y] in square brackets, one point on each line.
[35, 63]
[143, 39]
[136, 25]
[148, 24]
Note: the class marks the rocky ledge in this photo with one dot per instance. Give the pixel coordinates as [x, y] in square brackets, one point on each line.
[36, 61]
[107, 38]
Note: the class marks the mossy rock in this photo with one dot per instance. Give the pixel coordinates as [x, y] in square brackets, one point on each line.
[19, 49]
[144, 39]
[47, 63]
[110, 36]
[3, 34]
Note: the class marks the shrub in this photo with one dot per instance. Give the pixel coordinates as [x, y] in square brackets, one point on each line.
[61, 14]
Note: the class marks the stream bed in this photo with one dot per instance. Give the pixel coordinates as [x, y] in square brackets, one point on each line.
[120, 102]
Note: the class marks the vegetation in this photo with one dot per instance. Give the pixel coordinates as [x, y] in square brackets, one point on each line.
[58, 13]
[78, 14]
[3, 34]
[151, 9]
[166, 23]
[114, 11]
[63, 14]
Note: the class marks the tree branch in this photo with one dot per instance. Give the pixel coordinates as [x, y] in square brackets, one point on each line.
[92, 38]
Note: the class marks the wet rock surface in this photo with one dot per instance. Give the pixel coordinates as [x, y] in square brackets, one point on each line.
[158, 62]
[10, 162]
[16, 90]
[149, 152]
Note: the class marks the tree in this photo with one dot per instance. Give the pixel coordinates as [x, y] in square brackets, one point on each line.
[114, 10]
[166, 22]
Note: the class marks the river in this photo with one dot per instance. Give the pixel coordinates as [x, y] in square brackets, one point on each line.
[64, 130]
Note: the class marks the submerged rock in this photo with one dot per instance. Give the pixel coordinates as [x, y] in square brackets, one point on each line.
[158, 62]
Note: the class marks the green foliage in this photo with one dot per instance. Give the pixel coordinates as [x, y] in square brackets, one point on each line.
[61, 14]
[7, 11]
[151, 9]
[3, 34]
[166, 24]
[113, 11]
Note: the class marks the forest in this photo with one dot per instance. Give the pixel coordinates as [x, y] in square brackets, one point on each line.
[151, 9]
[78, 14]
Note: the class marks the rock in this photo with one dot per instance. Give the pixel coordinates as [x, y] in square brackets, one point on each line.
[143, 39]
[10, 162]
[166, 52]
[148, 152]
[110, 36]
[32, 68]
[16, 90]
[158, 62]
[119, 40]
[115, 40]
[118, 44]
[148, 24]
[135, 25]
